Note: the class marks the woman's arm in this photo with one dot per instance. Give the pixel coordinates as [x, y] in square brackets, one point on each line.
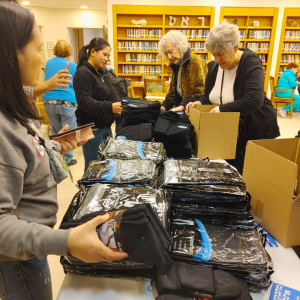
[197, 68]
[169, 102]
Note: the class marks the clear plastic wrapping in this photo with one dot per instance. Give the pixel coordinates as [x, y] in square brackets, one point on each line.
[215, 243]
[240, 252]
[143, 172]
[126, 149]
[106, 197]
[198, 171]
[111, 197]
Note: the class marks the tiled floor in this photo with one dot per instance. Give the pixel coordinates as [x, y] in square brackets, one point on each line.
[66, 190]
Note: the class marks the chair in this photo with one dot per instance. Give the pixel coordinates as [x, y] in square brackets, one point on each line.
[130, 91]
[149, 76]
[276, 100]
[166, 86]
[154, 85]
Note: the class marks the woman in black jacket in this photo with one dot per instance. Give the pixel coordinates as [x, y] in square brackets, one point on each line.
[97, 101]
[236, 84]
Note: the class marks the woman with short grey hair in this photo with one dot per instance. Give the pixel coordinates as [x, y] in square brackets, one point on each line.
[189, 71]
[222, 36]
[235, 83]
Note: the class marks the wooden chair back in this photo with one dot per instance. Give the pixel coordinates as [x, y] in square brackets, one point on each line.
[275, 100]
[154, 85]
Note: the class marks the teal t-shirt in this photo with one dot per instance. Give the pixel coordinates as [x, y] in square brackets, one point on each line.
[54, 65]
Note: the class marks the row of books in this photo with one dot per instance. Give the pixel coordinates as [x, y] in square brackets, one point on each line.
[259, 34]
[195, 33]
[242, 33]
[197, 46]
[290, 58]
[134, 69]
[258, 46]
[144, 33]
[290, 47]
[202, 55]
[263, 58]
[133, 45]
[282, 69]
[142, 57]
[292, 34]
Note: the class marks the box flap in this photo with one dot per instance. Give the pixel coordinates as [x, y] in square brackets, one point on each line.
[195, 117]
[293, 236]
[297, 161]
[205, 108]
[286, 148]
[279, 172]
[252, 159]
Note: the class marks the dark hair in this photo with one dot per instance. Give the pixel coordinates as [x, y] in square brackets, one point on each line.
[16, 26]
[85, 52]
[291, 65]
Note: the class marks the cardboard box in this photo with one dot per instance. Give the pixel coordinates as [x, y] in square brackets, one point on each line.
[215, 134]
[271, 173]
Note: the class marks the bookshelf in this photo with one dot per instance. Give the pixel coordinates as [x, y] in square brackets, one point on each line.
[289, 46]
[135, 46]
[259, 39]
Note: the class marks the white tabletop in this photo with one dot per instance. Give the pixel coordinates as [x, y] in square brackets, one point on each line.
[75, 287]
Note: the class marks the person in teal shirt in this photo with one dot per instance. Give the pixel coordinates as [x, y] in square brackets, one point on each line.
[60, 104]
[288, 81]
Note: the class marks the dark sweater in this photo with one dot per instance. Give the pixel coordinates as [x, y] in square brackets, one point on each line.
[258, 116]
[94, 95]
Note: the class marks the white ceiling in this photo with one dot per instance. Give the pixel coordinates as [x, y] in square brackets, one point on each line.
[92, 4]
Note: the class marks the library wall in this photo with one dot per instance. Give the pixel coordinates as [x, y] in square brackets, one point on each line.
[55, 21]
[217, 4]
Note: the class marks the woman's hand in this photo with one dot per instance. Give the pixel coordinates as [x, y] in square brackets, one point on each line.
[84, 243]
[117, 108]
[70, 143]
[178, 108]
[192, 104]
[212, 111]
[60, 79]
[162, 108]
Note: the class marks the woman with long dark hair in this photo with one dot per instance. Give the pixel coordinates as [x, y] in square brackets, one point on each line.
[28, 198]
[97, 101]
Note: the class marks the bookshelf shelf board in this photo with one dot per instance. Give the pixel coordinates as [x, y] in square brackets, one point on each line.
[188, 27]
[139, 63]
[140, 26]
[137, 39]
[138, 51]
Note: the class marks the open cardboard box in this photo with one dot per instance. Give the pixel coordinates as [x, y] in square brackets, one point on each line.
[271, 173]
[215, 134]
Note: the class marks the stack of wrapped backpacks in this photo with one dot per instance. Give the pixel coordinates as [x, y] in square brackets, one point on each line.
[198, 213]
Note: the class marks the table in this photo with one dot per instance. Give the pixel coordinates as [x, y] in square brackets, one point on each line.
[75, 287]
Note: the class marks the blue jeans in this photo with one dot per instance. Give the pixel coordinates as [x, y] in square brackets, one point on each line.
[287, 94]
[59, 116]
[91, 148]
[25, 280]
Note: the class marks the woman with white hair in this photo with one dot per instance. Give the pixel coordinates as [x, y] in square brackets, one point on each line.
[236, 84]
[189, 71]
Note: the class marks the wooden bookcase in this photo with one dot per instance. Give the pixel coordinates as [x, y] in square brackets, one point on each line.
[129, 54]
[289, 46]
[259, 39]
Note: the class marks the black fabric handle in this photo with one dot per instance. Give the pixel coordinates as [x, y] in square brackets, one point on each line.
[222, 87]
